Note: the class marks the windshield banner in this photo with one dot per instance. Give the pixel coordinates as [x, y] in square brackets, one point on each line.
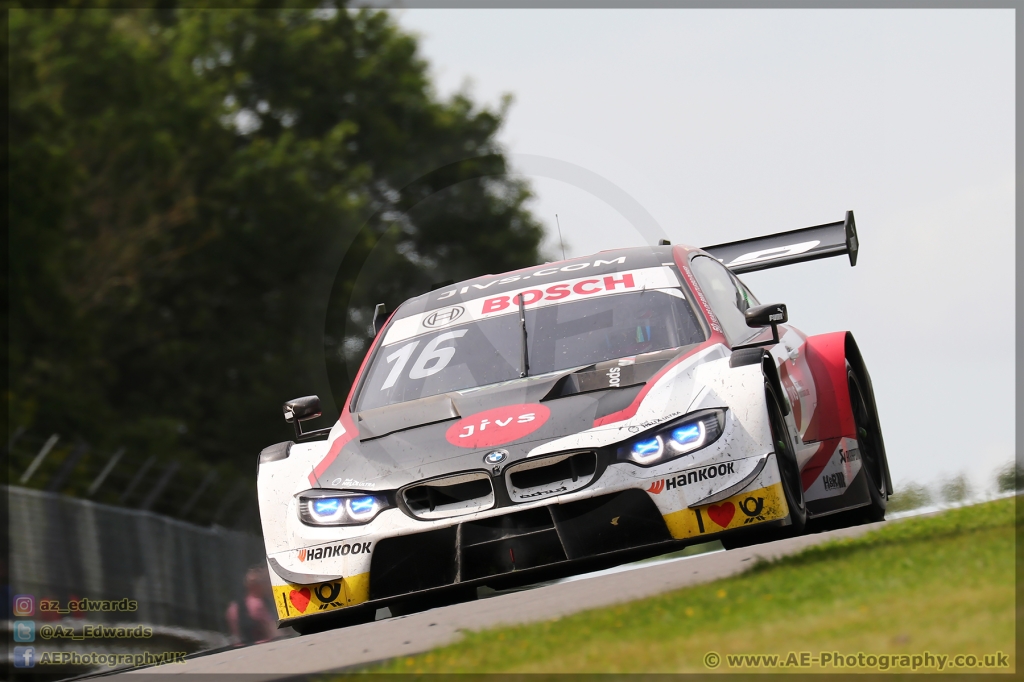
[552, 293]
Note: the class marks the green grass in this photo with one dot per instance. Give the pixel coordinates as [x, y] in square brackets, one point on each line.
[943, 584]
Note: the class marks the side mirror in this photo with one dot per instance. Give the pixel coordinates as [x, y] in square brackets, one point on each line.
[764, 315]
[300, 410]
[760, 316]
[380, 316]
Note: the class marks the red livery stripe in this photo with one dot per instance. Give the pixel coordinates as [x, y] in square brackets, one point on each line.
[346, 415]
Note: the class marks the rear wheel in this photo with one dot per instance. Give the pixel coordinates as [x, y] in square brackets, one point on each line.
[869, 444]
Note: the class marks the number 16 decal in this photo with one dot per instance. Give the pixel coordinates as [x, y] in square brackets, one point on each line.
[436, 358]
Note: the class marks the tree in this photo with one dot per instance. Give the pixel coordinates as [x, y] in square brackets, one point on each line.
[956, 489]
[1009, 477]
[909, 496]
[185, 185]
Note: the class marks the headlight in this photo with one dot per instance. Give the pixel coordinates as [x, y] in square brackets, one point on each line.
[675, 439]
[337, 508]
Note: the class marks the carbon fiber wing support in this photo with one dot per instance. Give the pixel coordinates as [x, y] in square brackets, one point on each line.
[786, 248]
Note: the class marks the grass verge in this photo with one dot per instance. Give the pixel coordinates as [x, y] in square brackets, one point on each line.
[942, 584]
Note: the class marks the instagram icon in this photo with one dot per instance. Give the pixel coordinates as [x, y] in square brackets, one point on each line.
[24, 605]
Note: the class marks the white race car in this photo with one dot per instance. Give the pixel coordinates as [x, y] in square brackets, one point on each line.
[569, 417]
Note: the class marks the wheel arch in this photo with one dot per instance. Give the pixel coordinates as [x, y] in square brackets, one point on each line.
[771, 375]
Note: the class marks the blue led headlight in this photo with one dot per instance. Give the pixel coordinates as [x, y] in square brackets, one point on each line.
[689, 434]
[338, 508]
[359, 506]
[648, 449]
[674, 439]
[326, 507]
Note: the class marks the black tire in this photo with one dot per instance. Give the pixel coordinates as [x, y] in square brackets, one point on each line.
[789, 472]
[789, 469]
[869, 444]
[447, 597]
[355, 615]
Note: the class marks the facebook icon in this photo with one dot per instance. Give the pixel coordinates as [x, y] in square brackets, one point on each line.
[24, 657]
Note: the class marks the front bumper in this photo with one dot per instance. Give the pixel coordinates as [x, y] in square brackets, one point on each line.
[545, 541]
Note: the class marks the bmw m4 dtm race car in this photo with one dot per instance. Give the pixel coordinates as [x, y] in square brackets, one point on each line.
[569, 417]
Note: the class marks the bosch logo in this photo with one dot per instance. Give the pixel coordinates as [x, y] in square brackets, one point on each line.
[440, 318]
[495, 457]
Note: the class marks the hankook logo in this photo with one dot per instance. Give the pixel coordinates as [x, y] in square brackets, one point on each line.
[440, 318]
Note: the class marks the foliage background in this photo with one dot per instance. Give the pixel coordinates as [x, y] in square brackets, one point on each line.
[186, 184]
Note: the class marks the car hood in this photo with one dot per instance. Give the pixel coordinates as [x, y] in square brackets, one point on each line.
[449, 433]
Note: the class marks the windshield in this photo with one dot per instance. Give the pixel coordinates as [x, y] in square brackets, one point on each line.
[563, 336]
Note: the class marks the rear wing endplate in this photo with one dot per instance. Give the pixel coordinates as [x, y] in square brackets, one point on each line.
[785, 248]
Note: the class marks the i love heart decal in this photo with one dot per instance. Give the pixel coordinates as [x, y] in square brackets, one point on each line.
[294, 601]
[739, 511]
[497, 426]
[722, 513]
[300, 599]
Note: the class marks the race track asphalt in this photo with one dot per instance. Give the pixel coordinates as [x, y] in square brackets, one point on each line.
[353, 646]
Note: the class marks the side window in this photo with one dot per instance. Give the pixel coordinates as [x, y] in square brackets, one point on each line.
[748, 295]
[727, 296]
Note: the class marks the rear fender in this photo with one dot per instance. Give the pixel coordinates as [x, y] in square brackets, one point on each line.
[827, 355]
[832, 417]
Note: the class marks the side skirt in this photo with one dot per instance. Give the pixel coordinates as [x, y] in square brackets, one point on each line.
[856, 495]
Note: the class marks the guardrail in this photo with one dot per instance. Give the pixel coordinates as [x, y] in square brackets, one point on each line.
[179, 574]
[196, 491]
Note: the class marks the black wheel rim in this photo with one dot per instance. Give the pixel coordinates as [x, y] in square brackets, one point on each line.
[785, 454]
[867, 433]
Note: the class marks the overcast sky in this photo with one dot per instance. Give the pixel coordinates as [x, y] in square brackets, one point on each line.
[728, 124]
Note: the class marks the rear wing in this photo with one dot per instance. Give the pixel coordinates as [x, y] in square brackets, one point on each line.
[785, 248]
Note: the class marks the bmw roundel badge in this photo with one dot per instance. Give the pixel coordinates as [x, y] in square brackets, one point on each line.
[495, 456]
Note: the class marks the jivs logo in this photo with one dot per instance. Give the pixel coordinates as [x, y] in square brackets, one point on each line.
[497, 426]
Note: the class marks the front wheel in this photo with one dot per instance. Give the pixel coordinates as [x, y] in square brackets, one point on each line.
[789, 470]
[353, 615]
[453, 595]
